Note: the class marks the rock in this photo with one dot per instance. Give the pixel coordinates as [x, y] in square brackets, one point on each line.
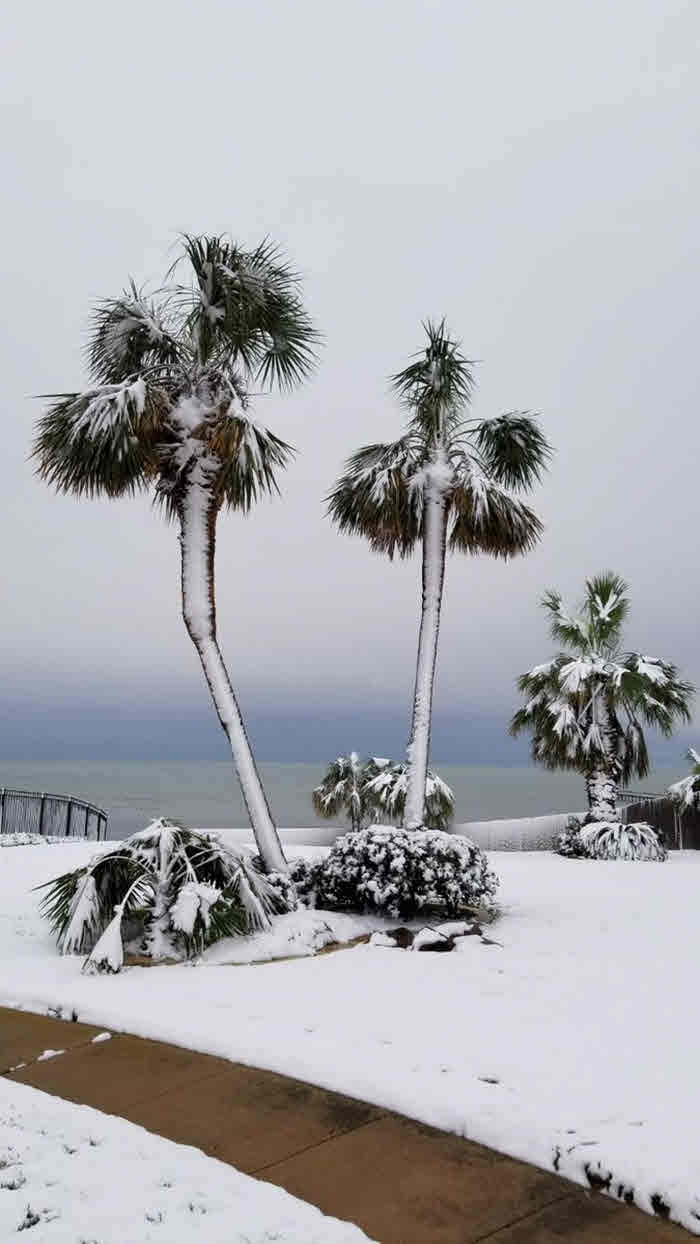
[395, 939]
[433, 939]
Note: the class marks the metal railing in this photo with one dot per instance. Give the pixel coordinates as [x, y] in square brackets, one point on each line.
[51, 816]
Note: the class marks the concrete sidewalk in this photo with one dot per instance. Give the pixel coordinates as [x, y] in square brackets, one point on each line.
[402, 1182]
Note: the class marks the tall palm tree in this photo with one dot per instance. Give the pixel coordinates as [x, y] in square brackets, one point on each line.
[586, 707]
[168, 407]
[447, 482]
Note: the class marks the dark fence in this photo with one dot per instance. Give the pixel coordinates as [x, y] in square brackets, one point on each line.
[52, 816]
[679, 829]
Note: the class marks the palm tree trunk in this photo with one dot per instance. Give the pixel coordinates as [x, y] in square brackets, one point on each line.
[602, 780]
[434, 548]
[601, 788]
[198, 511]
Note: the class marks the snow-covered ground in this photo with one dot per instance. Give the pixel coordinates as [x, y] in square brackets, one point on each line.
[571, 1043]
[74, 1174]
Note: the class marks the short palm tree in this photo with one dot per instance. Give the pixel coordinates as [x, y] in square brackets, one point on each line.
[168, 407]
[385, 792]
[586, 707]
[343, 789]
[447, 483]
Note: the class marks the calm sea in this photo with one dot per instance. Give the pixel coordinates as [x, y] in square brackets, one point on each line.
[206, 794]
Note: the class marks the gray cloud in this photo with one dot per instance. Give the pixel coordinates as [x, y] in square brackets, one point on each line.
[529, 171]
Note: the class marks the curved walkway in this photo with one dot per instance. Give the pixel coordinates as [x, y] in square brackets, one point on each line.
[402, 1182]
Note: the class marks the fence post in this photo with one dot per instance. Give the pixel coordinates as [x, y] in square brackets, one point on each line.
[2, 808]
[69, 816]
[87, 817]
[41, 814]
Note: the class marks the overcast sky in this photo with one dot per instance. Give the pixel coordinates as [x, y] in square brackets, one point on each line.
[530, 171]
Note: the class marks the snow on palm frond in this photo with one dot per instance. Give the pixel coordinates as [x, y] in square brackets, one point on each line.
[245, 307]
[377, 497]
[445, 482]
[437, 385]
[179, 890]
[686, 793]
[613, 840]
[130, 335]
[486, 519]
[343, 790]
[586, 709]
[385, 795]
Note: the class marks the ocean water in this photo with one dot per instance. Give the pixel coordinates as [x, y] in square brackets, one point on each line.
[206, 794]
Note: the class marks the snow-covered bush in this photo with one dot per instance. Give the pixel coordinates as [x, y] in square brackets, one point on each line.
[306, 877]
[569, 840]
[399, 872]
[612, 840]
[167, 891]
[23, 839]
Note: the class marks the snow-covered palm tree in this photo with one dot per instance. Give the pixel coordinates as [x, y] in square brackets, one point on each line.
[447, 483]
[343, 789]
[167, 407]
[586, 707]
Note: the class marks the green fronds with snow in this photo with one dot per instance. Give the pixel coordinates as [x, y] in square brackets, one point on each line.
[167, 890]
[586, 707]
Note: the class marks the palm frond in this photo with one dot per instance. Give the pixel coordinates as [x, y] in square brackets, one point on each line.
[486, 519]
[247, 306]
[374, 497]
[606, 605]
[386, 791]
[102, 441]
[513, 448]
[342, 789]
[250, 455]
[654, 690]
[564, 627]
[440, 382]
[130, 335]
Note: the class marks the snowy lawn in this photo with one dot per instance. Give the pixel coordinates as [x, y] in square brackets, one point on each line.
[74, 1174]
[572, 1044]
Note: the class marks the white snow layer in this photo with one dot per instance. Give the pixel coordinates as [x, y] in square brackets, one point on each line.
[569, 1042]
[74, 1174]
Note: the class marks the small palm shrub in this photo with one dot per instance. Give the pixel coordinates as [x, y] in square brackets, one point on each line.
[375, 789]
[385, 792]
[611, 840]
[167, 891]
[398, 873]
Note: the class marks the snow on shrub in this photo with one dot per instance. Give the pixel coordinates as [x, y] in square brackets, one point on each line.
[398, 873]
[23, 839]
[611, 840]
[569, 840]
[167, 891]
